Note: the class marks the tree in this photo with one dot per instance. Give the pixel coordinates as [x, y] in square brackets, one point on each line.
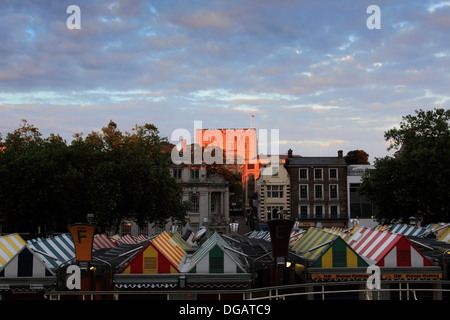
[415, 181]
[47, 183]
[357, 157]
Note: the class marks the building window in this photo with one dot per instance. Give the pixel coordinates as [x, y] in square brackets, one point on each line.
[318, 211]
[303, 174]
[275, 171]
[318, 174]
[318, 191]
[333, 174]
[274, 212]
[303, 191]
[274, 191]
[334, 211]
[195, 173]
[333, 191]
[126, 228]
[303, 212]
[213, 203]
[176, 173]
[143, 230]
[194, 203]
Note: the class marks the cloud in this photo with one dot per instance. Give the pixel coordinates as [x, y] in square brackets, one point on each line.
[311, 69]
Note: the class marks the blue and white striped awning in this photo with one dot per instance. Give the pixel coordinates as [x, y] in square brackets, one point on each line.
[54, 251]
[408, 230]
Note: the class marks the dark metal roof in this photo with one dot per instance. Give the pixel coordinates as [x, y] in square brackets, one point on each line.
[335, 161]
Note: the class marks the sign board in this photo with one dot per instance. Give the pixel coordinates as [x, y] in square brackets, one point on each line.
[83, 237]
[280, 233]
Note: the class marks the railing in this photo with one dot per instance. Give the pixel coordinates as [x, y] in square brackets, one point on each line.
[406, 290]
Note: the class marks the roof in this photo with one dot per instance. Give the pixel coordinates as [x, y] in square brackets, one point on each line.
[386, 248]
[103, 241]
[10, 245]
[444, 236]
[26, 263]
[55, 250]
[327, 249]
[116, 257]
[181, 242]
[325, 161]
[216, 241]
[165, 245]
[160, 255]
[408, 230]
[128, 239]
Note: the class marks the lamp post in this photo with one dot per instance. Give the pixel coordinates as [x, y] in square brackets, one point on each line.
[443, 262]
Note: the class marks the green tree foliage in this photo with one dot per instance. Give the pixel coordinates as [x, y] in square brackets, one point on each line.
[47, 183]
[416, 181]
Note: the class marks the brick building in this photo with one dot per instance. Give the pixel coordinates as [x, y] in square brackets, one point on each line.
[318, 190]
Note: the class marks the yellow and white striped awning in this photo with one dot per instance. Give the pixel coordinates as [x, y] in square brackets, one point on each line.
[10, 245]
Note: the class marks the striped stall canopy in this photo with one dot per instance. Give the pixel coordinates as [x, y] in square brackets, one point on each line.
[161, 255]
[141, 238]
[181, 242]
[338, 231]
[383, 227]
[26, 263]
[102, 241]
[295, 235]
[445, 235]
[314, 237]
[127, 239]
[262, 234]
[215, 256]
[10, 245]
[408, 230]
[327, 250]
[55, 250]
[386, 248]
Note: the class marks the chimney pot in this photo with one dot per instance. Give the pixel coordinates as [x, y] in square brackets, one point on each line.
[290, 153]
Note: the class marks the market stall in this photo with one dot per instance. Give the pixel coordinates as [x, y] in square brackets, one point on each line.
[385, 248]
[160, 255]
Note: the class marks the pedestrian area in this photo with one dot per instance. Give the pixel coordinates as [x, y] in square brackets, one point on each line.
[387, 262]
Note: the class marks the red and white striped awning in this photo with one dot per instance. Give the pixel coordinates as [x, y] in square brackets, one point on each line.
[386, 248]
[103, 241]
[127, 239]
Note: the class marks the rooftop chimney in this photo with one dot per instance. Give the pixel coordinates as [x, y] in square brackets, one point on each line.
[290, 153]
[340, 154]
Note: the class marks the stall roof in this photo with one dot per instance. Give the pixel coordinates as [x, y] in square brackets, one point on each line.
[127, 239]
[386, 248]
[26, 263]
[173, 252]
[327, 249]
[160, 255]
[444, 236]
[102, 241]
[216, 243]
[181, 242]
[10, 245]
[55, 250]
[408, 230]
[116, 257]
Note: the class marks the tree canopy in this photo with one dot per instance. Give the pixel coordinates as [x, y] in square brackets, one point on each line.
[357, 157]
[47, 183]
[416, 180]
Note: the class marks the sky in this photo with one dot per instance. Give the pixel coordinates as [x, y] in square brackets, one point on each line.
[314, 70]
